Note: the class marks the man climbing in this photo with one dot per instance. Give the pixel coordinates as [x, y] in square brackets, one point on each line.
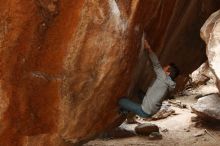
[156, 93]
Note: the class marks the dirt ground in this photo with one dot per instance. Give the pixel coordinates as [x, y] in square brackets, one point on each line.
[177, 130]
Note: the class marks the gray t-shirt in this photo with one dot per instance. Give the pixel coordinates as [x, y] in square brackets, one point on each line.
[156, 93]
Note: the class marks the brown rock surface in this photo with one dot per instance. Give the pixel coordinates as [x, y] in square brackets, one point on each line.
[172, 29]
[65, 64]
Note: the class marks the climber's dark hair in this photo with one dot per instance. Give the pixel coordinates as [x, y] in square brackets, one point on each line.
[174, 71]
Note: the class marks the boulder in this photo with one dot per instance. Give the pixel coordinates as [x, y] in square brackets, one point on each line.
[210, 32]
[208, 107]
[146, 129]
[64, 64]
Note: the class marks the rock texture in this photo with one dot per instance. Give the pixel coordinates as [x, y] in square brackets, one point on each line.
[65, 64]
[172, 30]
[210, 32]
[146, 129]
[208, 107]
[203, 75]
[202, 82]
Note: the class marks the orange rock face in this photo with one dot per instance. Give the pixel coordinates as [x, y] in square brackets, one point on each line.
[65, 64]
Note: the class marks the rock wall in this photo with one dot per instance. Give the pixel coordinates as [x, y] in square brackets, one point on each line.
[210, 32]
[65, 64]
[173, 29]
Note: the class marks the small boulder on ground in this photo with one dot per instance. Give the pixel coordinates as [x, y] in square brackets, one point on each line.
[208, 107]
[116, 133]
[199, 133]
[146, 129]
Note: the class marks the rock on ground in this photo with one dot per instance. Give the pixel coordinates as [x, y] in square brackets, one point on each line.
[208, 107]
[146, 129]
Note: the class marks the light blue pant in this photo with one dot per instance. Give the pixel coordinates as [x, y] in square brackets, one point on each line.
[128, 105]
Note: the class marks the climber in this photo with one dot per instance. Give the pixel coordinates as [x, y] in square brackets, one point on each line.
[152, 101]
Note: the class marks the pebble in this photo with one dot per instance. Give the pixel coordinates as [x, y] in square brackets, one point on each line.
[187, 129]
[164, 130]
[199, 133]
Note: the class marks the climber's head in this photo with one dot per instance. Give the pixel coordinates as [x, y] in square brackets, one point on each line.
[171, 70]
